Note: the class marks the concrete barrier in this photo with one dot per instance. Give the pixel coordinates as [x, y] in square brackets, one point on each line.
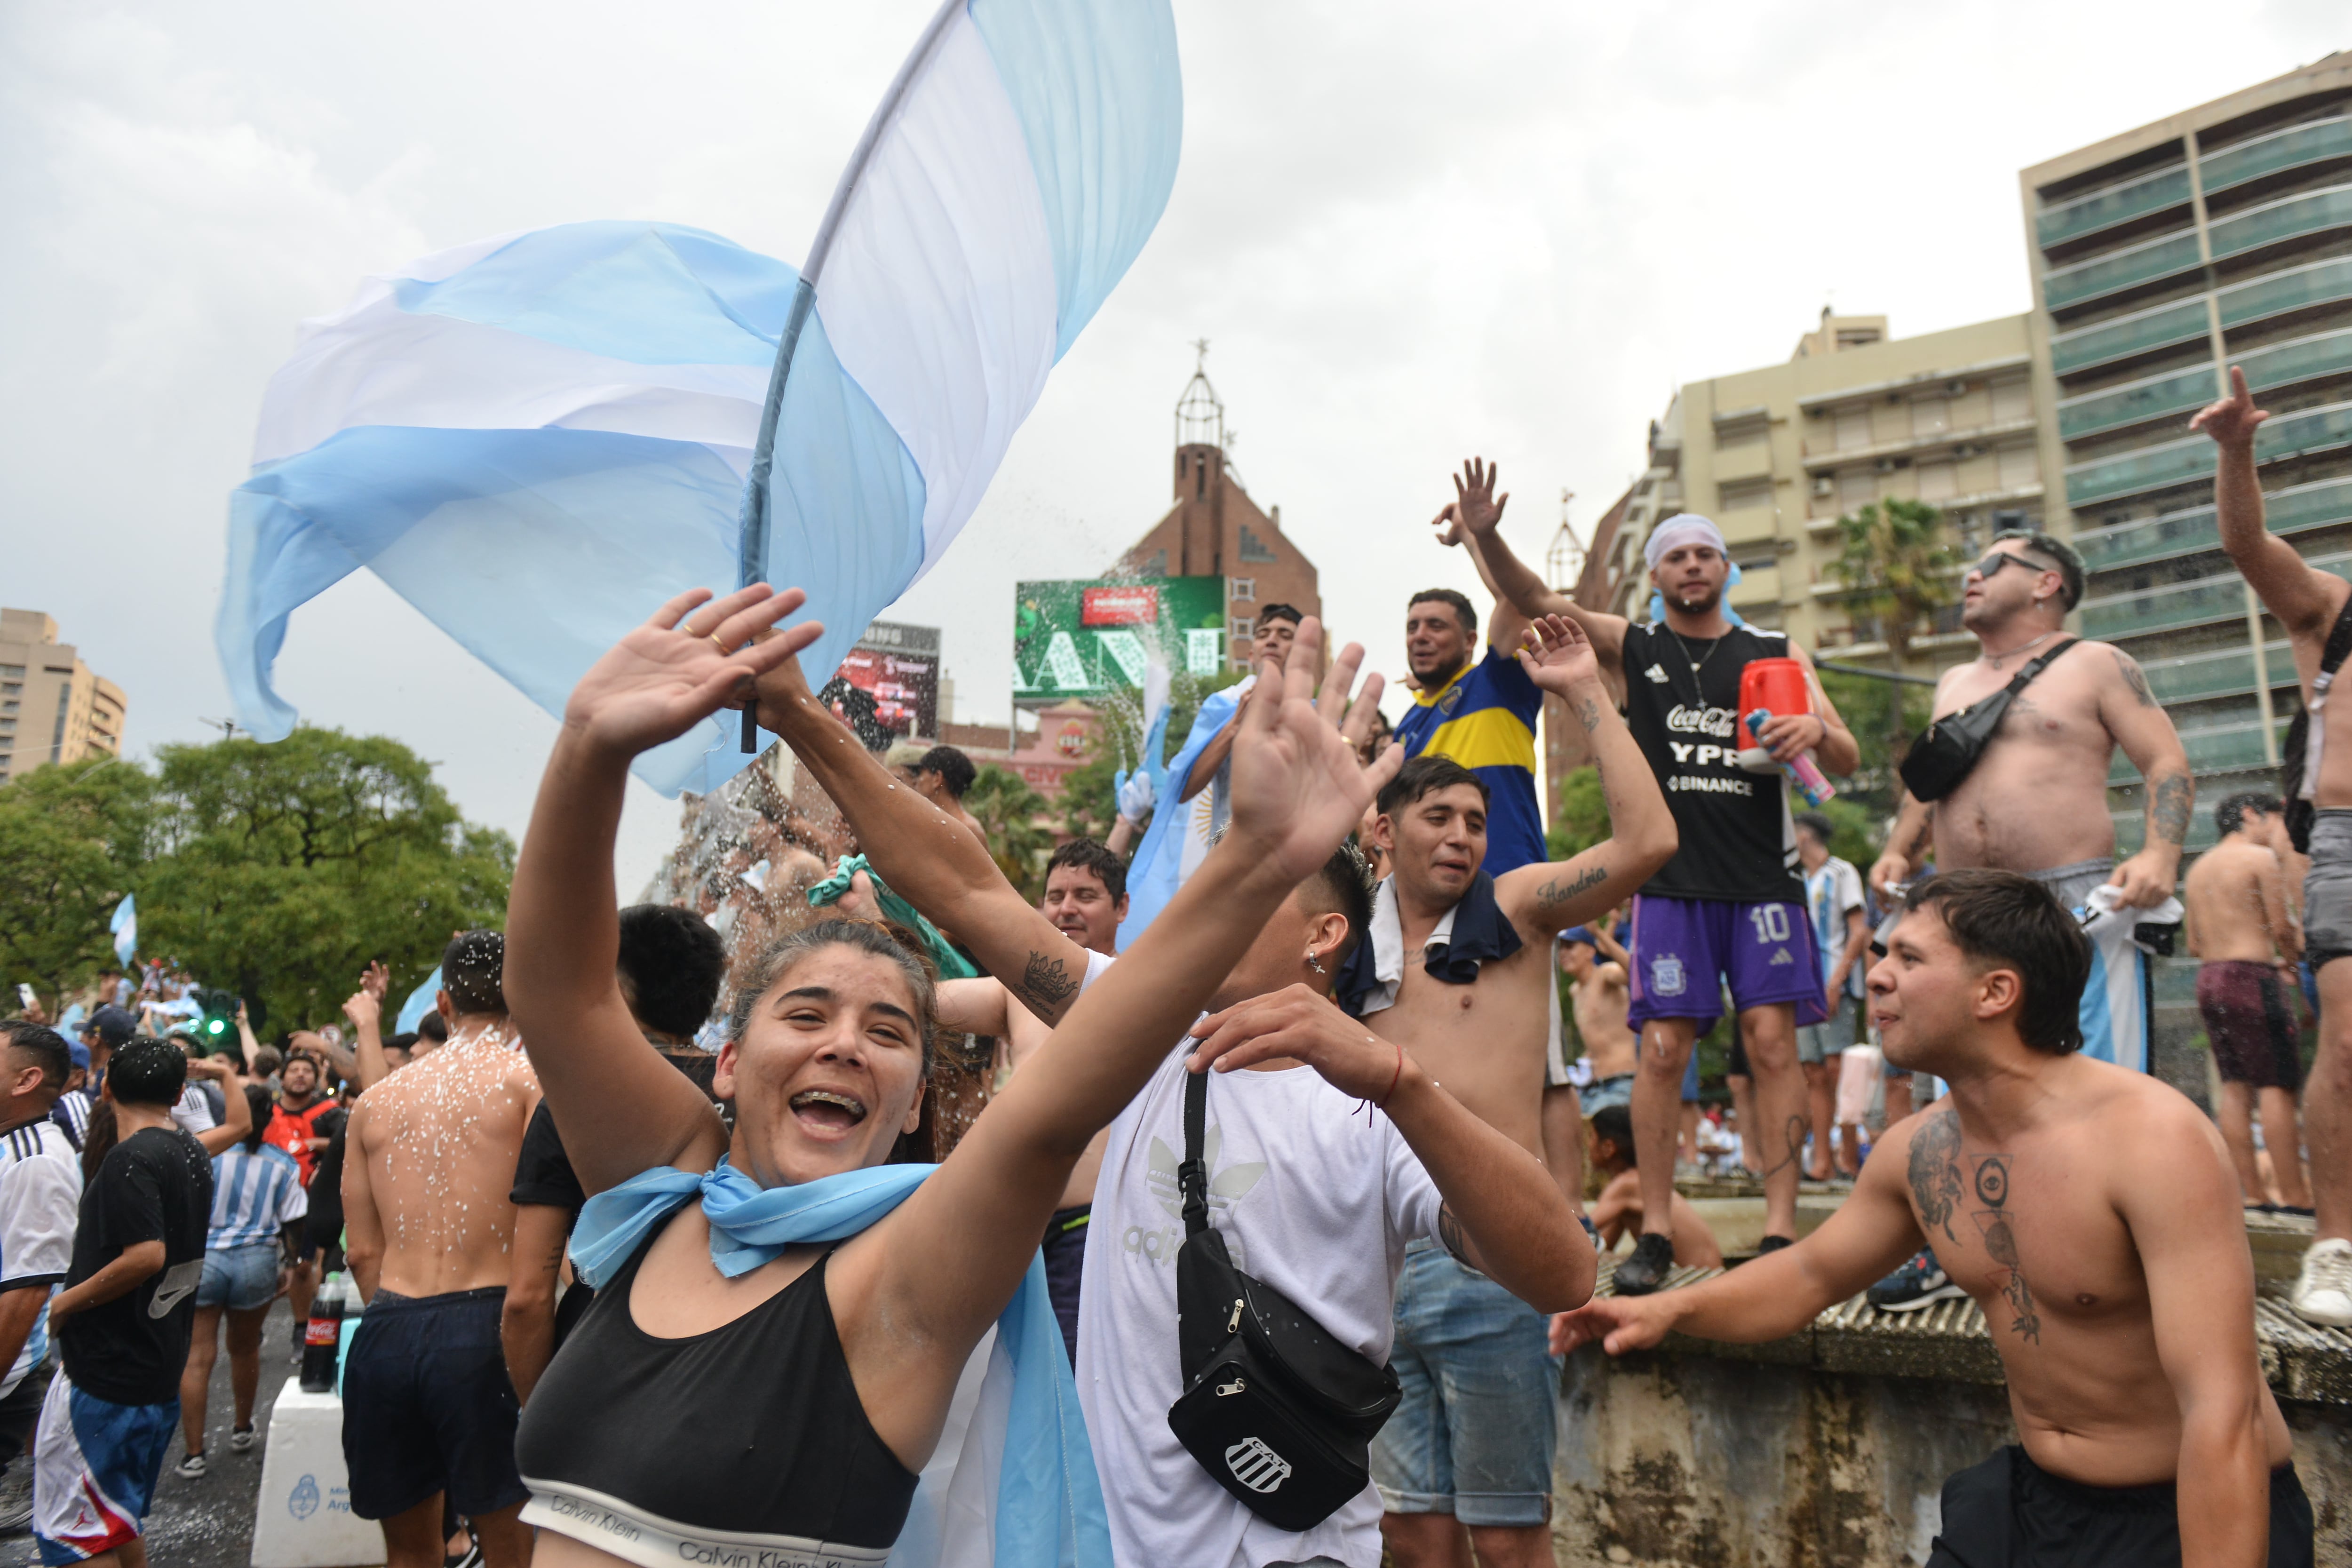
[303, 1516]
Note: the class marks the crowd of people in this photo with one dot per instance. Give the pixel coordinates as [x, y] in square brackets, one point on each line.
[1295, 1173]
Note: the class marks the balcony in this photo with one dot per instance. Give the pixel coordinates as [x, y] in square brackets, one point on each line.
[2144, 263]
[2311, 212]
[2164, 327]
[2177, 534]
[2201, 603]
[2181, 391]
[2192, 676]
[2320, 283]
[2191, 457]
[2292, 148]
[2104, 209]
[1833, 457]
[2217, 749]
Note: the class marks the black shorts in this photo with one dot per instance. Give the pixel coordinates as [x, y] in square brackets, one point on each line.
[20, 1412]
[427, 1406]
[2009, 1512]
[1066, 1261]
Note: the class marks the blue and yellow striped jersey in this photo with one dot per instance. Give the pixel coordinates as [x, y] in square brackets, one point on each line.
[1485, 718]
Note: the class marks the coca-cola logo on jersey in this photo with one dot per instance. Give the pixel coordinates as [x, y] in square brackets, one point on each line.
[1715, 722]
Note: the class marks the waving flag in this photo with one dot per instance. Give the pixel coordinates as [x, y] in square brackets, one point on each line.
[536, 438]
[125, 927]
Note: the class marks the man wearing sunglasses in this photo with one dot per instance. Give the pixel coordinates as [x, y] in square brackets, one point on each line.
[2308, 602]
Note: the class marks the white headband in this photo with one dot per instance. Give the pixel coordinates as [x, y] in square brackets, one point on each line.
[1683, 528]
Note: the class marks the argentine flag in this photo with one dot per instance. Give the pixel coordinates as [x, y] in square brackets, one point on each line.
[537, 438]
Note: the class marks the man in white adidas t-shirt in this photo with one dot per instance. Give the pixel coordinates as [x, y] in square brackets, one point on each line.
[40, 1199]
[1315, 1191]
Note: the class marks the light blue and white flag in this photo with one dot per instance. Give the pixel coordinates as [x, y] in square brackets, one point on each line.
[421, 1001]
[1182, 832]
[125, 927]
[537, 438]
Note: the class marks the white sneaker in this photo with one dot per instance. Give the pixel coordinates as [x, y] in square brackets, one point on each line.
[240, 1438]
[192, 1469]
[2323, 1293]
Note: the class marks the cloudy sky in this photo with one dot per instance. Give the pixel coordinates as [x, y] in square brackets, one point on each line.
[1410, 232]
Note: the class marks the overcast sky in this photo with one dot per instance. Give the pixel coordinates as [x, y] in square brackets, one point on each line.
[1410, 232]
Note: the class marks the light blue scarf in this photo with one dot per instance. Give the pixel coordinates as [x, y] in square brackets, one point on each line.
[1049, 1509]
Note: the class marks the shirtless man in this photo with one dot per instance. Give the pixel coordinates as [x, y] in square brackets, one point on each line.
[429, 1157]
[1595, 966]
[2238, 926]
[2089, 1210]
[1086, 898]
[1730, 905]
[2308, 602]
[1619, 1206]
[1458, 968]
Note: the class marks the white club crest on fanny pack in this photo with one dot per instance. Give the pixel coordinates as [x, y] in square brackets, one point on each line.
[1255, 1466]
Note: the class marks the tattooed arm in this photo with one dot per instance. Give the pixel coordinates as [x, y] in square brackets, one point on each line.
[1546, 899]
[927, 858]
[1781, 1292]
[2145, 731]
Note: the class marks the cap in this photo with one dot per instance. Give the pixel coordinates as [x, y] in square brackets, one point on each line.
[80, 1053]
[112, 1026]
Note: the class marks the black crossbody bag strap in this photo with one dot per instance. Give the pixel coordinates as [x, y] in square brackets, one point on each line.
[2025, 677]
[1192, 1176]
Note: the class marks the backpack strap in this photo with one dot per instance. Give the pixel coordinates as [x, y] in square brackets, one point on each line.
[1192, 1176]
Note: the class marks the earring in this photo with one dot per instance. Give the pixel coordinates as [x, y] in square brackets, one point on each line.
[1314, 962]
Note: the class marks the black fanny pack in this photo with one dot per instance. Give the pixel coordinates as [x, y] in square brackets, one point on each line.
[1279, 1413]
[1951, 748]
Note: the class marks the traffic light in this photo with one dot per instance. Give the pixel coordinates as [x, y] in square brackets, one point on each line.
[220, 1018]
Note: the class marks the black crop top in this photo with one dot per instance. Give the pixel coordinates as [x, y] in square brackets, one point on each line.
[745, 1442]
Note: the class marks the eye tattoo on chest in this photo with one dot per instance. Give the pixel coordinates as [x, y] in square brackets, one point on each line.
[1992, 1191]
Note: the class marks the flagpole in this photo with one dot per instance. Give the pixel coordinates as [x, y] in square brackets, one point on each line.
[753, 547]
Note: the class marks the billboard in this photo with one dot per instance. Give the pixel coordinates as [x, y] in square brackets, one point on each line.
[1084, 637]
[899, 667]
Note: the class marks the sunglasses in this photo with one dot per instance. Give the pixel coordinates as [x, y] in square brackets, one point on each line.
[1995, 560]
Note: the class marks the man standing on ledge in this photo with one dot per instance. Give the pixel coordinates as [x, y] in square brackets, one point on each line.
[2314, 607]
[2091, 1211]
[1730, 904]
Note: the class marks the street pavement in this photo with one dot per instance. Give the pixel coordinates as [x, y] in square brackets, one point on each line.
[204, 1523]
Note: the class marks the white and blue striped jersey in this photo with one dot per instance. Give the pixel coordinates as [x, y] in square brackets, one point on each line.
[72, 1113]
[40, 1202]
[254, 1193]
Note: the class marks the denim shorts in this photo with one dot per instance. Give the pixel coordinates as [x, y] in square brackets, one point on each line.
[1474, 1434]
[239, 1277]
[1819, 1042]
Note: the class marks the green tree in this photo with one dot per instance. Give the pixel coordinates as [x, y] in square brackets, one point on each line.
[71, 842]
[1580, 819]
[1009, 811]
[284, 869]
[1089, 804]
[1899, 568]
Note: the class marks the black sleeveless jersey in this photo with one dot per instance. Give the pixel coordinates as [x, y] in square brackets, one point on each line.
[1738, 842]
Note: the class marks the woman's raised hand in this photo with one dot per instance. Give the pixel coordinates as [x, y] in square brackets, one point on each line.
[1298, 787]
[684, 665]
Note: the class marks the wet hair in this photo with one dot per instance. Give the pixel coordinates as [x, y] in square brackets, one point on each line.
[2230, 814]
[1426, 775]
[672, 964]
[1817, 823]
[955, 769]
[1087, 854]
[46, 1047]
[433, 1026]
[1615, 1123]
[1342, 885]
[1463, 609]
[472, 968]
[257, 1101]
[1279, 612]
[2003, 920]
[860, 936]
[2061, 557]
[147, 1071]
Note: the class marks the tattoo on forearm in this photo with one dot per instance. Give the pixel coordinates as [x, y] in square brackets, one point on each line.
[1924, 836]
[1934, 1171]
[1045, 983]
[1557, 891]
[1588, 713]
[2133, 678]
[2169, 816]
[1450, 1238]
[1992, 1191]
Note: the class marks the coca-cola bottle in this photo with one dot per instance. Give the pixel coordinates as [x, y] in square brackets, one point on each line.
[322, 1337]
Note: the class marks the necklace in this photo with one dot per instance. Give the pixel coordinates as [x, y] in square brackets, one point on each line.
[1994, 658]
[1699, 663]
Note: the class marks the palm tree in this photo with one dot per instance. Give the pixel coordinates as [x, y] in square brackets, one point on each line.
[1898, 569]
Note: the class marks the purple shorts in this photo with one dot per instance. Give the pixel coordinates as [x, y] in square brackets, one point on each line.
[1684, 949]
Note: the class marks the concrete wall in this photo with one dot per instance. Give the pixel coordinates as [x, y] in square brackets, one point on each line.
[1696, 1460]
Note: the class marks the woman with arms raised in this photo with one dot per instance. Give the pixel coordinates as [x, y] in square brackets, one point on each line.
[768, 1368]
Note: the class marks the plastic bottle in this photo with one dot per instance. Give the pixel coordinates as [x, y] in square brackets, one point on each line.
[1808, 778]
[322, 1336]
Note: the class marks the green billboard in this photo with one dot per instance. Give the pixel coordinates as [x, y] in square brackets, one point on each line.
[1085, 637]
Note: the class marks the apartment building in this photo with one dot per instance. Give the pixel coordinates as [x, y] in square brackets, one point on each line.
[1776, 456]
[2220, 235]
[53, 707]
